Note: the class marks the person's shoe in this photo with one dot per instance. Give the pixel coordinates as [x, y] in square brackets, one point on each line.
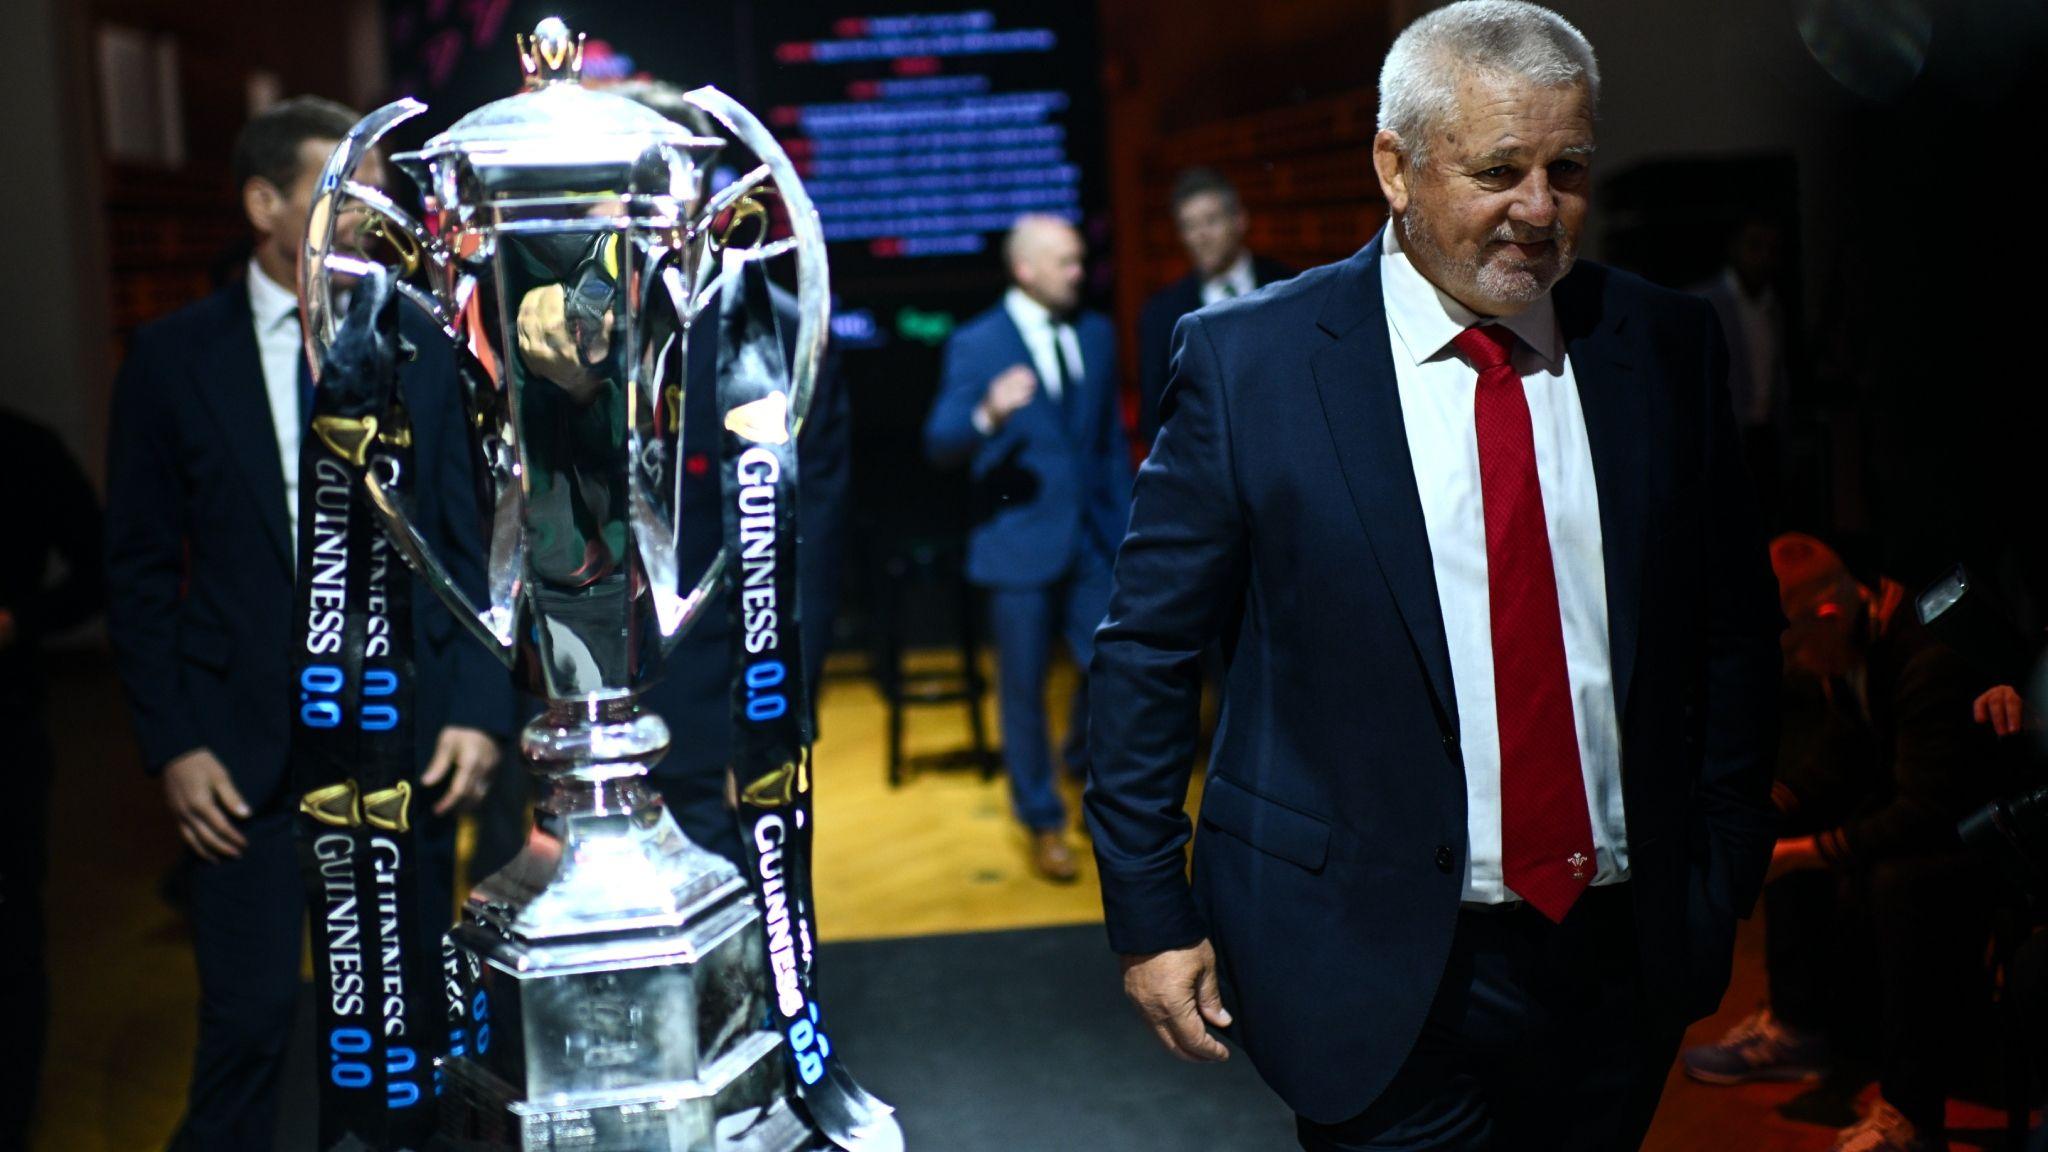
[1052, 859]
[1759, 1048]
[1883, 1129]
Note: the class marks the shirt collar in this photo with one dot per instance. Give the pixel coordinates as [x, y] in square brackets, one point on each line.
[1238, 275]
[269, 300]
[1741, 294]
[1426, 320]
[1027, 312]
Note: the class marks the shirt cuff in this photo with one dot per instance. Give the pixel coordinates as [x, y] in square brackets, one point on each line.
[982, 423]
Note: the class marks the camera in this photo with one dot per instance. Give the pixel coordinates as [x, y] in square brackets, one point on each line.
[2012, 832]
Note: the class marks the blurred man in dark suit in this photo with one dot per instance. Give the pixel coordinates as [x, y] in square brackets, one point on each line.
[1212, 223]
[1469, 519]
[1028, 401]
[202, 503]
[51, 581]
[1746, 297]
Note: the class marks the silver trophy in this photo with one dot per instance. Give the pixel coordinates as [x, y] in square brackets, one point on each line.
[612, 976]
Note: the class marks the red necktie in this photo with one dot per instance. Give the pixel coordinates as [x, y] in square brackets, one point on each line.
[1546, 830]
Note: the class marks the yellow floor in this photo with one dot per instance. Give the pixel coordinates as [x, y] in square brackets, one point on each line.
[939, 854]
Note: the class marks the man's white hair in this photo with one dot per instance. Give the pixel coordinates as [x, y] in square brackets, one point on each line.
[1419, 80]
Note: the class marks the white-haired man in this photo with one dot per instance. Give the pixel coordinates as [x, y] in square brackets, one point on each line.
[1492, 781]
[1028, 402]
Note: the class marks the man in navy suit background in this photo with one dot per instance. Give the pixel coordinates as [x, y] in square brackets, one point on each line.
[1028, 401]
[201, 504]
[1211, 221]
[1491, 781]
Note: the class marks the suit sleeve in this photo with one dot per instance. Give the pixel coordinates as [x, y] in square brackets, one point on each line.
[950, 438]
[1182, 564]
[145, 554]
[1743, 660]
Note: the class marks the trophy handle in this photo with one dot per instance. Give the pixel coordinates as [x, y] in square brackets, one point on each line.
[317, 258]
[674, 611]
[419, 250]
[655, 533]
[813, 284]
[407, 539]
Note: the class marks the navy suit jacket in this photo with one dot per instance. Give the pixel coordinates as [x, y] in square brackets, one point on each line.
[1279, 510]
[1054, 479]
[199, 555]
[1155, 336]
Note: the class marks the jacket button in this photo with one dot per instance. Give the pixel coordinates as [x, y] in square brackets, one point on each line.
[1443, 858]
[1451, 741]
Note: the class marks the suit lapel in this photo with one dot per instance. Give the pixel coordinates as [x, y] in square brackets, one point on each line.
[1355, 378]
[231, 380]
[1617, 426]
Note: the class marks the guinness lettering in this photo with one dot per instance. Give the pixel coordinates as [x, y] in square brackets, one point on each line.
[327, 577]
[758, 471]
[385, 863]
[337, 855]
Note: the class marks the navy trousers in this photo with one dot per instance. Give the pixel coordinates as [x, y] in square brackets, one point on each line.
[1539, 1040]
[1024, 621]
[24, 866]
[248, 925]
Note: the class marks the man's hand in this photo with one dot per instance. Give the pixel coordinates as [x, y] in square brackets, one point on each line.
[1007, 393]
[1794, 854]
[1176, 993]
[550, 348]
[2002, 708]
[472, 756]
[205, 804]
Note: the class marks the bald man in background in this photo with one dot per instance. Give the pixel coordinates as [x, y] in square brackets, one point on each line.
[1028, 403]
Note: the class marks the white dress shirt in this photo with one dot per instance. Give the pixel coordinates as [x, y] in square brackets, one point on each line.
[1036, 325]
[1759, 319]
[1236, 280]
[276, 313]
[1438, 389]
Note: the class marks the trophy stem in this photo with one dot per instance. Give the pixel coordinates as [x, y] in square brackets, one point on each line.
[594, 739]
[620, 965]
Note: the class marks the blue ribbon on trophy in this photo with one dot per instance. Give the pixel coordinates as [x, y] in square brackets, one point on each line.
[352, 746]
[770, 700]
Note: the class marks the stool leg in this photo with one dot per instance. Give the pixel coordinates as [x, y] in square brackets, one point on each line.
[892, 667]
[970, 677]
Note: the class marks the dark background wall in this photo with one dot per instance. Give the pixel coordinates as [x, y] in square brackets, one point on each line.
[1884, 130]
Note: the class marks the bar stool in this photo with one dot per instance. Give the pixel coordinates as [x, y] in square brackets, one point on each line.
[930, 566]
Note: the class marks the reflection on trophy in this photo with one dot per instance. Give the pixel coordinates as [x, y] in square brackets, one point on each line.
[611, 985]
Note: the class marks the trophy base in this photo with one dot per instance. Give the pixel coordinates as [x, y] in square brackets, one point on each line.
[736, 1106]
[614, 983]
